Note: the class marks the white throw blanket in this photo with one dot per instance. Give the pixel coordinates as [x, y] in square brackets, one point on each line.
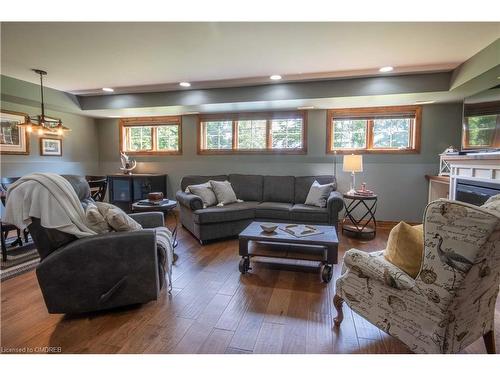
[49, 197]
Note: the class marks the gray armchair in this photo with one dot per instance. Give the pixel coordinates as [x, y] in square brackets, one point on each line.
[102, 271]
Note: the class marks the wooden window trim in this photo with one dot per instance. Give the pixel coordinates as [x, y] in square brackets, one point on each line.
[153, 121]
[368, 111]
[235, 117]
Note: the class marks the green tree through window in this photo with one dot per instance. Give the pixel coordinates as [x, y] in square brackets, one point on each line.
[349, 134]
[141, 138]
[286, 133]
[259, 132]
[394, 129]
[481, 130]
[150, 135]
[252, 134]
[219, 135]
[391, 133]
[167, 138]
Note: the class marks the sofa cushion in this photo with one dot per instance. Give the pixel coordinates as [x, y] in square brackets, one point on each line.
[306, 213]
[117, 218]
[318, 194]
[196, 180]
[224, 192]
[279, 189]
[205, 192]
[95, 220]
[230, 212]
[303, 185]
[273, 210]
[247, 187]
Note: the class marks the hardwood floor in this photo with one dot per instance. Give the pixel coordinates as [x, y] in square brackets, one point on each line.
[213, 309]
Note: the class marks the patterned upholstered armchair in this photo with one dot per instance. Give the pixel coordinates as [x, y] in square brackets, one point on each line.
[451, 303]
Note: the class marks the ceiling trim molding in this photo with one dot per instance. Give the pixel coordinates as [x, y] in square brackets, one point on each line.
[366, 86]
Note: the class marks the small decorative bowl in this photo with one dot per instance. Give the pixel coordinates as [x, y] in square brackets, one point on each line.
[268, 227]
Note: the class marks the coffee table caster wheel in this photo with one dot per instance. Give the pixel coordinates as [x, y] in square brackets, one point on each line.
[326, 273]
[244, 265]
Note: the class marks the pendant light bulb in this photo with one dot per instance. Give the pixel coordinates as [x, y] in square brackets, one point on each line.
[40, 131]
[29, 128]
[60, 131]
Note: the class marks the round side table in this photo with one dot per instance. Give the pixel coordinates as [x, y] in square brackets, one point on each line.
[360, 222]
[166, 206]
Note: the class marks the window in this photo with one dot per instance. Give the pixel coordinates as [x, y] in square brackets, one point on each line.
[151, 135]
[481, 125]
[219, 135]
[276, 132]
[349, 134]
[286, 133]
[374, 130]
[252, 134]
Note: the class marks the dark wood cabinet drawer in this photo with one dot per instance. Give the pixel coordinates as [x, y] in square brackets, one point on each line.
[125, 190]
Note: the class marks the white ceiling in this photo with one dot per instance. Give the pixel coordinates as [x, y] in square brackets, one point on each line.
[84, 57]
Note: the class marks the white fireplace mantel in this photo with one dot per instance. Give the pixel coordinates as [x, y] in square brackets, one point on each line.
[478, 167]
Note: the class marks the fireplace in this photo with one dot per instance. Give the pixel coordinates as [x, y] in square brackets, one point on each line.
[475, 192]
[474, 178]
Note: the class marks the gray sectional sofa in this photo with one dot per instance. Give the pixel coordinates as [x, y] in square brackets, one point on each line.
[265, 198]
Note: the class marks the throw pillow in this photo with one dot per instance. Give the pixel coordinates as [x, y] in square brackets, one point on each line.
[420, 227]
[205, 192]
[224, 192]
[95, 220]
[318, 194]
[405, 248]
[117, 218]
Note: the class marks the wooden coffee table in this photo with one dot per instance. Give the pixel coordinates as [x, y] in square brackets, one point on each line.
[325, 243]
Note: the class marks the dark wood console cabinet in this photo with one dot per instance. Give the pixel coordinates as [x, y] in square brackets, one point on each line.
[127, 189]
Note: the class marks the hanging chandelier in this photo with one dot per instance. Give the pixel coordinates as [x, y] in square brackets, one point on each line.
[42, 124]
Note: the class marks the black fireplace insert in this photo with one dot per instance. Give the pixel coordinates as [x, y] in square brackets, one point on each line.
[475, 192]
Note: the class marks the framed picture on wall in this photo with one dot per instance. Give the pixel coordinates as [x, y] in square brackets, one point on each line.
[13, 139]
[50, 147]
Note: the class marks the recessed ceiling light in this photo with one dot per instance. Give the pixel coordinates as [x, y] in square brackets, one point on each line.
[185, 84]
[275, 77]
[107, 89]
[190, 113]
[386, 69]
[425, 101]
[306, 107]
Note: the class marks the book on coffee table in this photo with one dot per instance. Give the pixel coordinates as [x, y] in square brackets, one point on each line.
[299, 230]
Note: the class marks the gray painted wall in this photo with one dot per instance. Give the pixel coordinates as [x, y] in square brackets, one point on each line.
[80, 147]
[398, 179]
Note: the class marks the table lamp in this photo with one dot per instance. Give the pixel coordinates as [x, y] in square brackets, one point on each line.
[353, 163]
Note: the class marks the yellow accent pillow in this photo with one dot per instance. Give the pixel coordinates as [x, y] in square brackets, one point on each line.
[405, 248]
[420, 227]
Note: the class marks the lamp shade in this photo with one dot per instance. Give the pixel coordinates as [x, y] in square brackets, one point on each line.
[353, 163]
